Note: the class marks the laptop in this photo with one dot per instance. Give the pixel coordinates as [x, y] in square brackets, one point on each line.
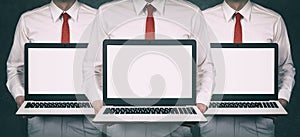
[149, 81]
[246, 79]
[53, 80]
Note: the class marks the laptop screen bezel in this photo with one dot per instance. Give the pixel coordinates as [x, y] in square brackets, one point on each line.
[50, 97]
[250, 97]
[148, 101]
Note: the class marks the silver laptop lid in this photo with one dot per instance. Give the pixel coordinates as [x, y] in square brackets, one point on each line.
[246, 71]
[53, 71]
[141, 72]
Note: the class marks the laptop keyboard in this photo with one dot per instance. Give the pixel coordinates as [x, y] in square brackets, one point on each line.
[155, 110]
[58, 105]
[243, 105]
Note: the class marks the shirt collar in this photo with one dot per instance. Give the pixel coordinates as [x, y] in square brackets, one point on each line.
[56, 11]
[139, 6]
[245, 11]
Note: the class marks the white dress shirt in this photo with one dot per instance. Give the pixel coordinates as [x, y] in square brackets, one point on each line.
[126, 19]
[43, 25]
[259, 25]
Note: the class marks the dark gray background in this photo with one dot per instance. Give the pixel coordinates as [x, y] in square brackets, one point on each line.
[14, 126]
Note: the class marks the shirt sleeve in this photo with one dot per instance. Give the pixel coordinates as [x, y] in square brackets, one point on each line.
[15, 62]
[205, 68]
[286, 70]
[92, 66]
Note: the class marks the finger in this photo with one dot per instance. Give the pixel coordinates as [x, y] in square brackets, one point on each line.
[96, 111]
[203, 109]
[19, 104]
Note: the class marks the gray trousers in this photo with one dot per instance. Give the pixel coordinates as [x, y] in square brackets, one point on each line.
[238, 126]
[148, 130]
[62, 126]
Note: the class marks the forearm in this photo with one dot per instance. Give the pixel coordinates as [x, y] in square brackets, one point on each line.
[286, 81]
[205, 82]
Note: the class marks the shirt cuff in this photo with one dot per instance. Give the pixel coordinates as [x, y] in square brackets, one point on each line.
[284, 94]
[17, 91]
[95, 96]
[203, 97]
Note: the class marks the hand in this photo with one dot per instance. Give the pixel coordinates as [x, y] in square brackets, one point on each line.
[283, 102]
[201, 107]
[20, 100]
[97, 105]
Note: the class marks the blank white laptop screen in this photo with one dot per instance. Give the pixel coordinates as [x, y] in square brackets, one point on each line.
[54, 70]
[244, 70]
[149, 71]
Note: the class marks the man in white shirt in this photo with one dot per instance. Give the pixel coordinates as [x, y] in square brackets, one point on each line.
[258, 25]
[44, 25]
[126, 19]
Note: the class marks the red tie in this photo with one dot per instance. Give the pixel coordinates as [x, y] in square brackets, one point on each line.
[65, 34]
[238, 36]
[150, 28]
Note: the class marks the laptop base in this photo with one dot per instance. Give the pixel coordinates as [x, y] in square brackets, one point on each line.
[57, 111]
[123, 118]
[246, 110]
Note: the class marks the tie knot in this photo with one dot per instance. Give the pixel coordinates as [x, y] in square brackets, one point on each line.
[150, 9]
[65, 16]
[238, 16]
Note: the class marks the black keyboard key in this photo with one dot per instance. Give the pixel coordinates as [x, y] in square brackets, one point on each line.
[28, 105]
[163, 110]
[36, 105]
[185, 111]
[251, 105]
[222, 105]
[176, 110]
[107, 111]
[214, 105]
[258, 105]
[189, 110]
[265, 105]
[275, 105]
[194, 112]
[240, 105]
[152, 111]
[147, 111]
[180, 111]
